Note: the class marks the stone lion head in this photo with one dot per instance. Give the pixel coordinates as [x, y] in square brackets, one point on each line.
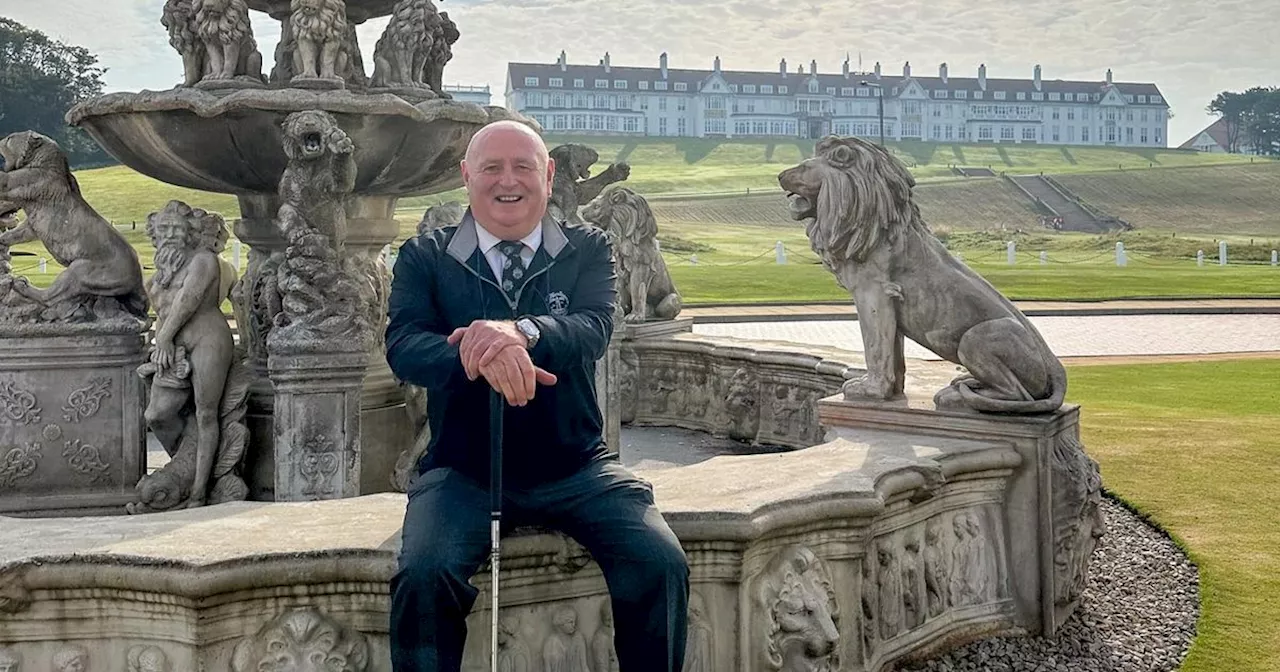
[306, 134]
[28, 149]
[320, 20]
[855, 192]
[437, 216]
[624, 213]
[801, 613]
[574, 160]
[303, 640]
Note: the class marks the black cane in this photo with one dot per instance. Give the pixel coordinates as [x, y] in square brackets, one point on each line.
[495, 511]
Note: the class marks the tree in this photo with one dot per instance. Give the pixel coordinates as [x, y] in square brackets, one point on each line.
[1252, 117]
[40, 79]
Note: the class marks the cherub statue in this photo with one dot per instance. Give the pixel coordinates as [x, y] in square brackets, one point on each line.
[198, 389]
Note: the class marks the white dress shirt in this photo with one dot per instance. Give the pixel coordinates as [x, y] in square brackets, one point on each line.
[489, 247]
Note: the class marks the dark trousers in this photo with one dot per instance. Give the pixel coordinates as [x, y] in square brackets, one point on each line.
[604, 507]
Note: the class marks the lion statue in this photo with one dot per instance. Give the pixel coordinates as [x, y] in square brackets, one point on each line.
[645, 288]
[402, 46]
[441, 215]
[102, 271]
[303, 639]
[572, 185]
[801, 616]
[179, 18]
[230, 50]
[318, 29]
[444, 34]
[864, 226]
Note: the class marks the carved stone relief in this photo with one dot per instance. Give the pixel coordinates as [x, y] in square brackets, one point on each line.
[300, 634]
[603, 656]
[513, 653]
[566, 648]
[889, 586]
[937, 568]
[796, 598]
[10, 659]
[742, 402]
[14, 595]
[84, 402]
[85, 459]
[71, 658]
[146, 658]
[320, 462]
[699, 652]
[19, 406]
[1077, 519]
[18, 463]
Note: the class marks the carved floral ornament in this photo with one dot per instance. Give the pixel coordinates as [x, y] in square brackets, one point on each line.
[84, 402]
[18, 406]
[300, 639]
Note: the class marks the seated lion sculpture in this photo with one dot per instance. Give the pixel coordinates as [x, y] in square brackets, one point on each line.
[864, 226]
[646, 290]
[103, 273]
[573, 186]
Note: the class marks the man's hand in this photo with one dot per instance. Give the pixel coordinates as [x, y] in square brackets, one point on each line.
[496, 350]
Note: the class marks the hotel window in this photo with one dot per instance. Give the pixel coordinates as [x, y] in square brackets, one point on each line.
[680, 123]
[781, 89]
[950, 132]
[1084, 134]
[767, 88]
[556, 81]
[1071, 134]
[1158, 136]
[629, 125]
[1054, 95]
[1054, 112]
[831, 90]
[1029, 133]
[1021, 95]
[611, 123]
[578, 83]
[682, 86]
[1128, 135]
[602, 83]
[1142, 98]
[813, 86]
[644, 85]
[1037, 96]
[846, 90]
[998, 95]
[1006, 132]
[662, 103]
[1154, 99]
[530, 81]
[733, 88]
[937, 131]
[939, 93]
[659, 86]
[1128, 115]
[662, 126]
[619, 83]
[1128, 98]
[1071, 113]
[977, 95]
[535, 100]
[962, 94]
[1068, 97]
[1144, 135]
[984, 132]
[1142, 115]
[597, 122]
[748, 88]
[680, 103]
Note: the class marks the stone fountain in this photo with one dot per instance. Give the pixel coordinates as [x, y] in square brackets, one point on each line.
[326, 417]
[860, 518]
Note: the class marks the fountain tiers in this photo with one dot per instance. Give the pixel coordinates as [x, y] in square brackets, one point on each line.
[916, 530]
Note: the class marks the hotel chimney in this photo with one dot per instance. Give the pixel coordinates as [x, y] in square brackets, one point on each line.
[564, 65]
[877, 69]
[942, 73]
[982, 76]
[782, 68]
[607, 66]
[906, 70]
[1037, 78]
[662, 64]
[1108, 75]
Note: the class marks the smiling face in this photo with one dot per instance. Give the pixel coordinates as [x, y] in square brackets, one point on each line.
[508, 176]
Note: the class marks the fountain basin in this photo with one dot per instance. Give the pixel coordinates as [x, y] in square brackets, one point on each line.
[232, 143]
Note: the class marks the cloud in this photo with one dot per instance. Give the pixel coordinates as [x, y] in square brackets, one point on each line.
[1191, 50]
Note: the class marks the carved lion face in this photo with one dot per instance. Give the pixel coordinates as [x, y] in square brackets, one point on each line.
[802, 612]
[574, 160]
[306, 134]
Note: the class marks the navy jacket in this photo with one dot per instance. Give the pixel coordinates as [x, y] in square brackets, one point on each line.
[442, 282]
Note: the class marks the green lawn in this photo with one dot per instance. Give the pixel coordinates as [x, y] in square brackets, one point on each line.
[1197, 447]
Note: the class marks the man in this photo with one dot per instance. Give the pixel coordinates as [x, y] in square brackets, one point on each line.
[514, 301]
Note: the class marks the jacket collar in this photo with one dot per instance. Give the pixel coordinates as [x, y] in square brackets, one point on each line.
[465, 241]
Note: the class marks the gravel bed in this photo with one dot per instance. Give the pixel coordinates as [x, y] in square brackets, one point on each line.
[1137, 613]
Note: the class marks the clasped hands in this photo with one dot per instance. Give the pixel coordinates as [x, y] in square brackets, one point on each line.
[497, 351]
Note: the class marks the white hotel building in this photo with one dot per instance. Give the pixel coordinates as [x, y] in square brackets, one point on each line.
[663, 101]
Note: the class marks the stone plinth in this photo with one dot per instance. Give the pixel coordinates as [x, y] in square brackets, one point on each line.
[72, 435]
[762, 393]
[897, 545]
[316, 438]
[1052, 510]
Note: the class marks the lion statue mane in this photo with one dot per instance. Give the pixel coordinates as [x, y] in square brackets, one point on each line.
[645, 288]
[224, 27]
[863, 224]
[318, 29]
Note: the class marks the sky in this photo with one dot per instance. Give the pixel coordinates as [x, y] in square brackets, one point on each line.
[1191, 50]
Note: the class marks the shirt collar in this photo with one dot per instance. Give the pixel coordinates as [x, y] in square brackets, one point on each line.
[487, 240]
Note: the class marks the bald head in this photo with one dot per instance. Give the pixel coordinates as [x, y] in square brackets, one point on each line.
[508, 176]
[506, 133]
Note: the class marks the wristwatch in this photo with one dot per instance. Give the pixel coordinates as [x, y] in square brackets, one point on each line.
[530, 330]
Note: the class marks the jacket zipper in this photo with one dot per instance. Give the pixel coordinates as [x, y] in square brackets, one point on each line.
[512, 305]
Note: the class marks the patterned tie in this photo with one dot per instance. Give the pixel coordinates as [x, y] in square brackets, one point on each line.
[512, 265]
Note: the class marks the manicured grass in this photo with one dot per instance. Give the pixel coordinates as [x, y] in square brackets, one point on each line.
[1195, 446]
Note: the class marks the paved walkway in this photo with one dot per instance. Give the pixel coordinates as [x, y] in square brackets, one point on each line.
[846, 311]
[1068, 336]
